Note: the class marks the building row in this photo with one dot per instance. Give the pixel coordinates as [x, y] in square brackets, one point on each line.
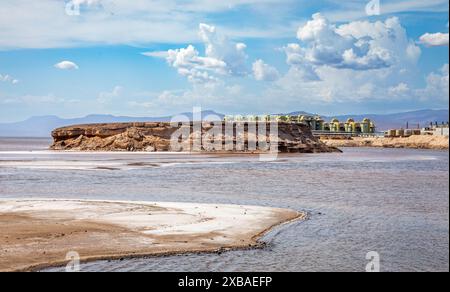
[434, 129]
[316, 123]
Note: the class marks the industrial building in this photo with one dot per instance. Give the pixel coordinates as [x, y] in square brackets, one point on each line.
[317, 124]
[366, 126]
[434, 129]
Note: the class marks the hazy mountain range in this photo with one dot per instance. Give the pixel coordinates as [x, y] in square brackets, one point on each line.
[43, 125]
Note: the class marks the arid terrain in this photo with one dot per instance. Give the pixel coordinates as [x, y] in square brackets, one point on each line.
[40, 233]
[413, 142]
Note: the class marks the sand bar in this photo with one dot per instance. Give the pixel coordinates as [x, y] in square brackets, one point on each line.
[35, 234]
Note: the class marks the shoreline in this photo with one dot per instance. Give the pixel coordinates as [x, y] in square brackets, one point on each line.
[121, 230]
[258, 245]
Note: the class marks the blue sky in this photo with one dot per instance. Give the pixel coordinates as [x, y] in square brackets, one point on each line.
[155, 57]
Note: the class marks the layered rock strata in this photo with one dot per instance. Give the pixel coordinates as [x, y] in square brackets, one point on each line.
[159, 137]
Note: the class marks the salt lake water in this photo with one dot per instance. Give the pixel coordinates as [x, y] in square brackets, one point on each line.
[391, 201]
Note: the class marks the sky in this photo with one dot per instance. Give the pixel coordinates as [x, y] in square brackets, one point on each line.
[73, 58]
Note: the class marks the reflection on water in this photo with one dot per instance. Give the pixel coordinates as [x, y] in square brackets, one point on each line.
[395, 202]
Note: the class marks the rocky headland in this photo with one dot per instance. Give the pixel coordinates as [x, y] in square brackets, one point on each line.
[156, 137]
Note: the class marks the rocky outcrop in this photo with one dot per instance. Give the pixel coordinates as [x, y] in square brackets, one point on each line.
[156, 137]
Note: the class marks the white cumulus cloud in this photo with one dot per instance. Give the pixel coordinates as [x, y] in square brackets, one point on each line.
[189, 63]
[222, 57]
[400, 90]
[107, 97]
[220, 47]
[264, 72]
[352, 62]
[66, 65]
[9, 79]
[437, 85]
[357, 45]
[434, 39]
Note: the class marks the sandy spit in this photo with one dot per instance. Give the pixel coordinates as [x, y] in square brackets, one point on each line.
[36, 234]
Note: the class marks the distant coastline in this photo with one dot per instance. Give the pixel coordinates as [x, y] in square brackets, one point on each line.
[413, 142]
[42, 126]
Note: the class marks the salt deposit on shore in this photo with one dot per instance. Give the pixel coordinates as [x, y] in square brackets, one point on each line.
[39, 233]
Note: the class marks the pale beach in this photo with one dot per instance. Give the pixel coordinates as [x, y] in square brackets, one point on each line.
[36, 234]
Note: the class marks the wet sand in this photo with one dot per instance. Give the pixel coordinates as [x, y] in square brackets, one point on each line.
[36, 234]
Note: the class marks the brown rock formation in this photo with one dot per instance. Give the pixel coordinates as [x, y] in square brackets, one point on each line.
[153, 137]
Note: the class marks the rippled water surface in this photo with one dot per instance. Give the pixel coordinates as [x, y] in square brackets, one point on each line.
[394, 202]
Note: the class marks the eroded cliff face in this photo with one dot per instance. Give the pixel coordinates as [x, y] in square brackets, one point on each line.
[156, 137]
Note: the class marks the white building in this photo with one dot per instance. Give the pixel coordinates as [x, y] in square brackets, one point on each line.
[441, 131]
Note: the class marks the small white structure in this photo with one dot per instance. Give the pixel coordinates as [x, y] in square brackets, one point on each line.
[437, 130]
[441, 131]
